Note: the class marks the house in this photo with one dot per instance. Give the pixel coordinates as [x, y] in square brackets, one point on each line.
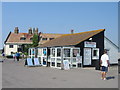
[112, 50]
[16, 41]
[79, 49]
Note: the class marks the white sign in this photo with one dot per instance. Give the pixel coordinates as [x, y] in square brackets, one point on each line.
[66, 64]
[89, 44]
[79, 59]
[87, 56]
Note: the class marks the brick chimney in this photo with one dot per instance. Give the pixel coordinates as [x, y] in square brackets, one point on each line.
[16, 30]
[72, 31]
[30, 31]
[36, 31]
[33, 30]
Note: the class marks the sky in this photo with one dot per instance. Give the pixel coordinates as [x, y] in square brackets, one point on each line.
[61, 17]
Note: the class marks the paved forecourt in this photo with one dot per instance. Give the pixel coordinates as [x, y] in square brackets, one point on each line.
[16, 75]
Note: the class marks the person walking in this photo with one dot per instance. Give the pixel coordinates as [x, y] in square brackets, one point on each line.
[14, 56]
[104, 65]
[17, 56]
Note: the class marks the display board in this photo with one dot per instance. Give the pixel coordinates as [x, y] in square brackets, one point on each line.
[66, 64]
[87, 56]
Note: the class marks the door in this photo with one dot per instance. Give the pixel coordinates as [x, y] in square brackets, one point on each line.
[87, 56]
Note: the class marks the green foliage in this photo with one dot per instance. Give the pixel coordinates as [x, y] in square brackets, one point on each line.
[26, 47]
[35, 40]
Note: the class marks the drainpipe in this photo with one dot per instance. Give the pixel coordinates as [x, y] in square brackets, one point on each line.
[62, 66]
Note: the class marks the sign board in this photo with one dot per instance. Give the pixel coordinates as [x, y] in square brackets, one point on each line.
[89, 44]
[39, 51]
[79, 59]
[87, 56]
[66, 64]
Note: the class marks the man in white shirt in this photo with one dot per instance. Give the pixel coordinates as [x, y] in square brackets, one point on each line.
[105, 64]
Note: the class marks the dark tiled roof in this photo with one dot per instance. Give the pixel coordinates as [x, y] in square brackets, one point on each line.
[71, 39]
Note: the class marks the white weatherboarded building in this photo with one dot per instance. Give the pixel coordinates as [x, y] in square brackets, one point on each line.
[112, 50]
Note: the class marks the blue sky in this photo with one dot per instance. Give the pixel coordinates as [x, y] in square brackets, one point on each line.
[58, 17]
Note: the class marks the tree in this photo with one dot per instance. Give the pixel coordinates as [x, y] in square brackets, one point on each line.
[26, 47]
[35, 40]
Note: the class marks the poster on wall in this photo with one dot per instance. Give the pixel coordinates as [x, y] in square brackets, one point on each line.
[66, 64]
[79, 59]
[40, 52]
[87, 56]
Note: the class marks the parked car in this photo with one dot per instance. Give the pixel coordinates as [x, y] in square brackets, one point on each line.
[9, 56]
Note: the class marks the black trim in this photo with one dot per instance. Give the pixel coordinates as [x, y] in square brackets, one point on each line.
[7, 38]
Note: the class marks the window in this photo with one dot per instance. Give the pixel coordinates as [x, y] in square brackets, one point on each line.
[58, 52]
[44, 52]
[19, 49]
[53, 53]
[94, 52]
[31, 38]
[75, 52]
[44, 38]
[30, 51]
[33, 52]
[22, 38]
[51, 38]
[66, 52]
[10, 46]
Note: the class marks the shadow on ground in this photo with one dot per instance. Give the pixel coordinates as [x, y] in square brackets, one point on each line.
[110, 77]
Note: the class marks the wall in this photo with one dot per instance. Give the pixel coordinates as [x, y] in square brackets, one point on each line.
[99, 39]
[113, 51]
[9, 50]
[118, 55]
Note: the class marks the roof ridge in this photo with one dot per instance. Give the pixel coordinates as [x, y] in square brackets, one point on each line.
[50, 33]
[95, 32]
[100, 30]
[84, 32]
[80, 33]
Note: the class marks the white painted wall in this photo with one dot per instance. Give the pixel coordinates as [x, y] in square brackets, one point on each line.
[113, 51]
[119, 55]
[9, 50]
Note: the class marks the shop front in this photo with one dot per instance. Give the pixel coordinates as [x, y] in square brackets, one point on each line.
[91, 53]
[55, 56]
[73, 50]
[32, 52]
[60, 54]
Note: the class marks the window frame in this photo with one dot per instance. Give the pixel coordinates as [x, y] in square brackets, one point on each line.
[11, 46]
[22, 38]
[44, 39]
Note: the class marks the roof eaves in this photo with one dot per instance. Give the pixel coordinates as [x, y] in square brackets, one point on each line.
[7, 37]
[111, 42]
[89, 37]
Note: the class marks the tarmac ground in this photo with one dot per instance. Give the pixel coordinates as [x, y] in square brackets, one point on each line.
[16, 75]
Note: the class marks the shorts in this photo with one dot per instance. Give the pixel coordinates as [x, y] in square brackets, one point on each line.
[104, 69]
